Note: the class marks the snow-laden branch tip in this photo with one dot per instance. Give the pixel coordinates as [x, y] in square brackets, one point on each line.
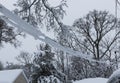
[37, 34]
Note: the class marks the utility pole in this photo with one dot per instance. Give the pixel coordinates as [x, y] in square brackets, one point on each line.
[116, 1]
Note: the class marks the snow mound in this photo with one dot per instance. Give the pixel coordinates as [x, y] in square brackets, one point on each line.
[92, 80]
[114, 77]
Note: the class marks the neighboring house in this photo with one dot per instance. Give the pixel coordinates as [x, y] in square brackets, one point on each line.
[13, 76]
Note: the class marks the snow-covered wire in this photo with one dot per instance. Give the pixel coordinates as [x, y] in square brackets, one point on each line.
[37, 34]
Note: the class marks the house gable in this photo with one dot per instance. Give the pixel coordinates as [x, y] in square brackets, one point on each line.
[21, 79]
[10, 76]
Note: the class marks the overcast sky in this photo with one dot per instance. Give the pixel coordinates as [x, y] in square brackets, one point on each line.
[76, 9]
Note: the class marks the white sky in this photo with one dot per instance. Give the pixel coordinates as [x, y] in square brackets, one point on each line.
[76, 9]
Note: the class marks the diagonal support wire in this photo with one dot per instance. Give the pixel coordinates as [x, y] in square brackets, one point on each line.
[37, 34]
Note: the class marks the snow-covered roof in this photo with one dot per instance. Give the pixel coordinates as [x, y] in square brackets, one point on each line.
[92, 80]
[9, 76]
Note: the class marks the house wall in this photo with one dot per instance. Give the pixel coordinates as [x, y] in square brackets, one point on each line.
[20, 79]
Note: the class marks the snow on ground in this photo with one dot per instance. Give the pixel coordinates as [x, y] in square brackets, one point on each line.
[93, 80]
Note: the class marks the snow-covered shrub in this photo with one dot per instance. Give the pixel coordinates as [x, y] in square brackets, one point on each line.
[48, 79]
[81, 68]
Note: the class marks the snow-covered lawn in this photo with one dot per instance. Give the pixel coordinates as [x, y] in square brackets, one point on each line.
[93, 80]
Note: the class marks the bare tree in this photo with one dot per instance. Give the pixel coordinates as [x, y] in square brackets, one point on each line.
[95, 33]
[24, 58]
[26, 61]
[41, 12]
